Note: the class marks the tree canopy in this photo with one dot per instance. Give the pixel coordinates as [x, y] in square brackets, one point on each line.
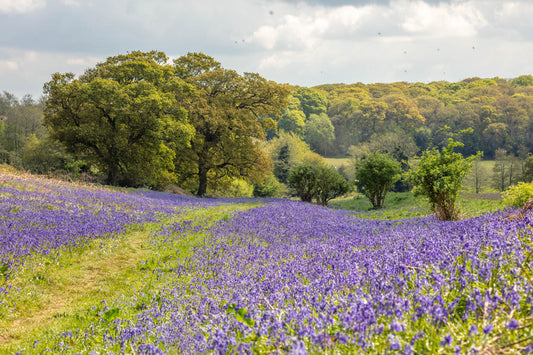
[230, 113]
[125, 115]
[375, 176]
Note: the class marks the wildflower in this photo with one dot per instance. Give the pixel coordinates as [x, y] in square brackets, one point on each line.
[513, 324]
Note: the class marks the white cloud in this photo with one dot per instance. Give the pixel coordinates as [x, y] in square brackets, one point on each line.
[401, 19]
[25, 71]
[9, 64]
[20, 6]
[443, 20]
[309, 27]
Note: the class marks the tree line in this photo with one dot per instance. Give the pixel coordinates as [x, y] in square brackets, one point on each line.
[407, 118]
[140, 119]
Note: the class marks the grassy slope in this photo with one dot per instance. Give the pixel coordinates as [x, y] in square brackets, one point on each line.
[64, 291]
[406, 205]
[56, 293]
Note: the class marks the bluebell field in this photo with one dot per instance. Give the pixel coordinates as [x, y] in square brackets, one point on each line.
[290, 277]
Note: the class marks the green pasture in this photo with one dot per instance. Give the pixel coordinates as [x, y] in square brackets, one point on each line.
[400, 205]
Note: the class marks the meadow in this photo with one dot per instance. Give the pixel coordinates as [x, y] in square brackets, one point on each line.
[84, 269]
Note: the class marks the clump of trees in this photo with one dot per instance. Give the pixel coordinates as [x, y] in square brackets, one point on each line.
[141, 120]
[499, 111]
[375, 176]
[317, 181]
[439, 177]
[145, 122]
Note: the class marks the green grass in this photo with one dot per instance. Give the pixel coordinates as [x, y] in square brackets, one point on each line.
[64, 291]
[399, 205]
[337, 162]
[485, 176]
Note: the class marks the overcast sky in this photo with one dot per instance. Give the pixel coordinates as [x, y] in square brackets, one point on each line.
[308, 42]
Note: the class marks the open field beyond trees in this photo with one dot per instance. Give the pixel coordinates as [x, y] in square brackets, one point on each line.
[83, 268]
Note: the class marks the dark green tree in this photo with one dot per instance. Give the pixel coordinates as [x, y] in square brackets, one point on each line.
[302, 179]
[317, 181]
[329, 184]
[375, 176]
[282, 164]
[124, 116]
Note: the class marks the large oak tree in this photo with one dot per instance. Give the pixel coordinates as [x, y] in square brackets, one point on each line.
[124, 115]
[230, 114]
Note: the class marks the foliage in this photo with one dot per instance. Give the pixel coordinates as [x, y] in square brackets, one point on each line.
[292, 118]
[286, 151]
[317, 181]
[329, 184]
[439, 176]
[375, 176]
[319, 133]
[233, 188]
[230, 114]
[270, 187]
[303, 179]
[312, 101]
[124, 115]
[20, 120]
[517, 195]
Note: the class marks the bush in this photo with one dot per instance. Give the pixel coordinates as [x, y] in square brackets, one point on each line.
[517, 195]
[329, 184]
[375, 176]
[271, 187]
[317, 181]
[302, 178]
[439, 176]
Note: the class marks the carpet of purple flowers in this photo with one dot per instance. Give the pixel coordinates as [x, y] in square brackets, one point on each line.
[40, 215]
[293, 277]
[290, 277]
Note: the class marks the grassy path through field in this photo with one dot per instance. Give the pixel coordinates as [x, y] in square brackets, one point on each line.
[55, 293]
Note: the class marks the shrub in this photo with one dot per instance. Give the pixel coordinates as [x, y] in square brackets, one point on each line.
[302, 178]
[439, 176]
[375, 176]
[329, 184]
[317, 181]
[517, 195]
[271, 187]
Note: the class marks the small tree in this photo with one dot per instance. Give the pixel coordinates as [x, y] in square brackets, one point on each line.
[439, 176]
[302, 178]
[329, 184]
[375, 176]
[317, 181]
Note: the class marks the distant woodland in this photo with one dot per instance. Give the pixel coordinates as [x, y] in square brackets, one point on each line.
[494, 116]
[407, 118]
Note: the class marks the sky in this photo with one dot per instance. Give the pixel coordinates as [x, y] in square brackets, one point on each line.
[305, 42]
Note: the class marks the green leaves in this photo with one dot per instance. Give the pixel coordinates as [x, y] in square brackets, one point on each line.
[317, 181]
[439, 176]
[241, 315]
[375, 176]
[230, 114]
[125, 116]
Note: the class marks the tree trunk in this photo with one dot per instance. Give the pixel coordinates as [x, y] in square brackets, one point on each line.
[112, 175]
[202, 179]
